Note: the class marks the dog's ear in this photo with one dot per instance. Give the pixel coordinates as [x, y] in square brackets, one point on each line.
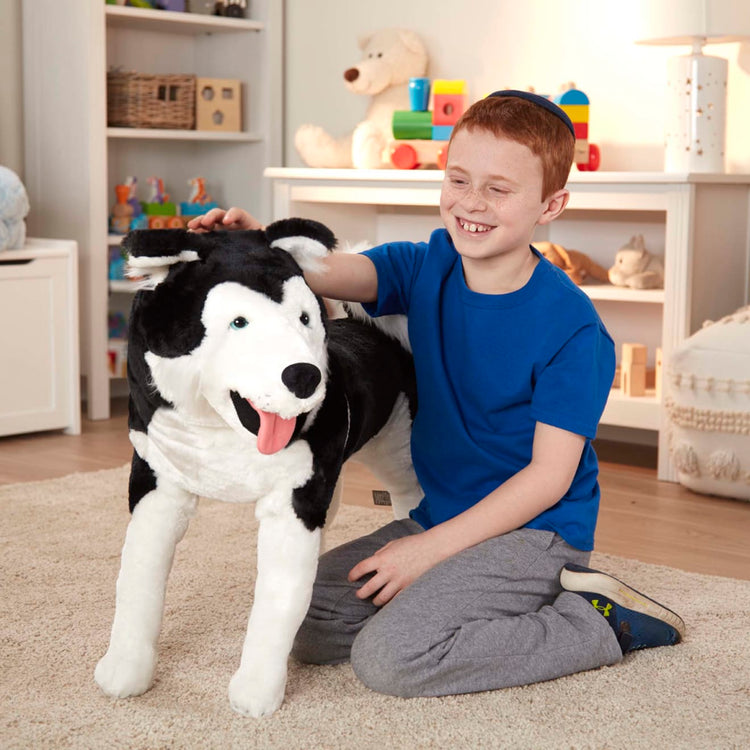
[305, 240]
[152, 252]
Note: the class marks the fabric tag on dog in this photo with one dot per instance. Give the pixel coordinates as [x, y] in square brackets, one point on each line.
[381, 497]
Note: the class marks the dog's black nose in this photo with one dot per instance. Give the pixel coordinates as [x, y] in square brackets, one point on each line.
[301, 379]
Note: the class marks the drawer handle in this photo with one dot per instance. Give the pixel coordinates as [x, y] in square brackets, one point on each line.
[20, 262]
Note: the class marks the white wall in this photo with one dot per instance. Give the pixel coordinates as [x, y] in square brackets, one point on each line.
[11, 88]
[497, 44]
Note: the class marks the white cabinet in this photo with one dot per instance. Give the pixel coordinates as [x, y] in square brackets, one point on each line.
[73, 160]
[699, 222]
[39, 380]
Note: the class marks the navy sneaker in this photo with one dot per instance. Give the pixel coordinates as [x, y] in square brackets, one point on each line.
[638, 622]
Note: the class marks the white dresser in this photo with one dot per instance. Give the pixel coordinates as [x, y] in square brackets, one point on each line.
[39, 353]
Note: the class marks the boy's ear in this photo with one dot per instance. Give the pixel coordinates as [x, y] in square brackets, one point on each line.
[305, 240]
[555, 205]
[152, 252]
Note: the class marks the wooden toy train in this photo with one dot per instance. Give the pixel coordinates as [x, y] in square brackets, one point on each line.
[420, 135]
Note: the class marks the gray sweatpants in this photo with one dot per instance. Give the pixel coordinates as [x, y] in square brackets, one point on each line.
[492, 616]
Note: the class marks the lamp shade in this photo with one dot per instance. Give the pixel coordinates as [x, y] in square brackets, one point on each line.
[683, 21]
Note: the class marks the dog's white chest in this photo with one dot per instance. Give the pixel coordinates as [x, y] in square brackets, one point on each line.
[214, 461]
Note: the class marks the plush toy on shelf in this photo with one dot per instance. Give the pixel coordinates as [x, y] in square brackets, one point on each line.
[636, 267]
[390, 57]
[14, 207]
[579, 267]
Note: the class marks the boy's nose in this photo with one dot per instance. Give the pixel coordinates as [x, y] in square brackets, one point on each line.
[474, 197]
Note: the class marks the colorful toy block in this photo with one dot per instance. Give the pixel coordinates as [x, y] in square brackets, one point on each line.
[442, 132]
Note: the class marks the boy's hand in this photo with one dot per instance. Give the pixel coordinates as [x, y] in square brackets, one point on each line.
[234, 218]
[395, 566]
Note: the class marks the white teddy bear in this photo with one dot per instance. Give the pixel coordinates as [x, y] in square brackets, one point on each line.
[389, 58]
[14, 206]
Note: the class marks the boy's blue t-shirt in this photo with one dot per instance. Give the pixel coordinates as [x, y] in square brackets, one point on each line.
[488, 368]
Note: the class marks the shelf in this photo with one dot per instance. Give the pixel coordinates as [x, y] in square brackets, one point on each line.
[143, 19]
[623, 294]
[163, 134]
[641, 412]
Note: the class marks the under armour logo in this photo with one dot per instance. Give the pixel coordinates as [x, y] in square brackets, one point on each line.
[603, 609]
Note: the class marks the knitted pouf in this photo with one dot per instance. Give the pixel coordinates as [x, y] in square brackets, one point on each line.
[708, 408]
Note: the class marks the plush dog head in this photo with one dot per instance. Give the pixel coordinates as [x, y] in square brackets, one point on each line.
[226, 325]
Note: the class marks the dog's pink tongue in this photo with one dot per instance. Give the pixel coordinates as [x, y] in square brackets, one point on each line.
[275, 432]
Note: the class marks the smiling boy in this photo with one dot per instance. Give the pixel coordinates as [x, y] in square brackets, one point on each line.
[485, 585]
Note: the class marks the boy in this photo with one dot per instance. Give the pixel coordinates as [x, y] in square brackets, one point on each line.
[485, 585]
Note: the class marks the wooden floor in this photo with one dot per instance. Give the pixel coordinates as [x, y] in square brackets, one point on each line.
[640, 518]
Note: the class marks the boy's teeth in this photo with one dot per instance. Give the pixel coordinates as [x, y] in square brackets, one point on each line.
[473, 227]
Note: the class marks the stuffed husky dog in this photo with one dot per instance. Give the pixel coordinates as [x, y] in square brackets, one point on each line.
[242, 390]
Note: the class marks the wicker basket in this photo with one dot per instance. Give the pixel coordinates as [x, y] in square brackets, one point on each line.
[141, 100]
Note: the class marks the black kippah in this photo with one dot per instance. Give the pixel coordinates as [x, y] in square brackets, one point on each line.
[541, 102]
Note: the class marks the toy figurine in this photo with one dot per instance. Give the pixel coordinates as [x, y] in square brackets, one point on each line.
[122, 211]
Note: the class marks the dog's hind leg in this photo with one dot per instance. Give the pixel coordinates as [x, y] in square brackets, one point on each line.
[388, 456]
[158, 523]
[287, 563]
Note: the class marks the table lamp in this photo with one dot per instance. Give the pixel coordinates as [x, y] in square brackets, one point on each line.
[696, 103]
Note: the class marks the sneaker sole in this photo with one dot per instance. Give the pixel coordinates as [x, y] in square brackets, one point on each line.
[620, 593]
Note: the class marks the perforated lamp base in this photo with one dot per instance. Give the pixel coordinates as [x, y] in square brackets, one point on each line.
[696, 114]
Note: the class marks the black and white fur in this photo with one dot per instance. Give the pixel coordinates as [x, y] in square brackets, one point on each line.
[242, 390]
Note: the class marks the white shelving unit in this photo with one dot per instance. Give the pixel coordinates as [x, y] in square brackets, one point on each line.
[699, 222]
[73, 160]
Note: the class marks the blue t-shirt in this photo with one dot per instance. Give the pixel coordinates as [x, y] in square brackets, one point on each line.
[488, 368]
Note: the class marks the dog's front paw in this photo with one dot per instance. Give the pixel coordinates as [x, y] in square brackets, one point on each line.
[256, 696]
[122, 675]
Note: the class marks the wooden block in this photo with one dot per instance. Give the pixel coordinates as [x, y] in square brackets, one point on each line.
[446, 86]
[447, 108]
[576, 112]
[636, 354]
[218, 104]
[633, 379]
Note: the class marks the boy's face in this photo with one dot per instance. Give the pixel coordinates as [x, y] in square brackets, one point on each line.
[491, 198]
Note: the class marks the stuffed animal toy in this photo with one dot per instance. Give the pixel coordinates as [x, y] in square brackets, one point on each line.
[579, 267]
[242, 390]
[389, 58]
[636, 267]
[14, 207]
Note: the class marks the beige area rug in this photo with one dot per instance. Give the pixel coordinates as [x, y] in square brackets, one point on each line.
[59, 556]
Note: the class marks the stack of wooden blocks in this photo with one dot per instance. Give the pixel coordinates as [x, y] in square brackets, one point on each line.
[633, 370]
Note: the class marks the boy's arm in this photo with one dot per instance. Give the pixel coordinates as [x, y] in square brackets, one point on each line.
[555, 457]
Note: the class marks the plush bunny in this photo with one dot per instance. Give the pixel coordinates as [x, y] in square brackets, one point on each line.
[636, 267]
[14, 206]
[389, 58]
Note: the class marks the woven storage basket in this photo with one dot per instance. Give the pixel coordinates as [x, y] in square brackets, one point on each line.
[142, 100]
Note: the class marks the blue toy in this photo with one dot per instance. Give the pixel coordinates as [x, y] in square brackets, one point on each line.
[14, 207]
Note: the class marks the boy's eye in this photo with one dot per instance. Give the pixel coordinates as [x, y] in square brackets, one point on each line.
[238, 322]
[304, 319]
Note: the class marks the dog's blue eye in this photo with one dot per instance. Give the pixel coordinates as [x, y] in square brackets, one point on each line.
[304, 319]
[238, 323]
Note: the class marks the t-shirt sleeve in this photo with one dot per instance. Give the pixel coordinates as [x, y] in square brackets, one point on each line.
[396, 264]
[572, 389]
